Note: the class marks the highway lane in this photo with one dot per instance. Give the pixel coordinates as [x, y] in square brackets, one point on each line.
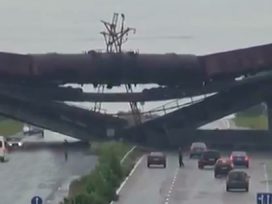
[189, 185]
[148, 185]
[199, 186]
[41, 172]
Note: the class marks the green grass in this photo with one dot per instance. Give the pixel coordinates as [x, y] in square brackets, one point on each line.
[77, 186]
[131, 161]
[258, 122]
[80, 186]
[118, 148]
[10, 127]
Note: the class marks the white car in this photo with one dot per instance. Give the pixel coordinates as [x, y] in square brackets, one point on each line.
[197, 148]
[14, 142]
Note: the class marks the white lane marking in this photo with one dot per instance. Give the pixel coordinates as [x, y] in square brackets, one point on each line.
[126, 179]
[266, 178]
[228, 124]
[131, 172]
[171, 187]
[126, 155]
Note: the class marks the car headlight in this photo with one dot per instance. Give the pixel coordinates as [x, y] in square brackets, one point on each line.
[20, 143]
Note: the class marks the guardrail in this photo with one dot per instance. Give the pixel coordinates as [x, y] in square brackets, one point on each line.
[164, 109]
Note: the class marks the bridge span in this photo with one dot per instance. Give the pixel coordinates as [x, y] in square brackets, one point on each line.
[31, 89]
[88, 125]
[134, 68]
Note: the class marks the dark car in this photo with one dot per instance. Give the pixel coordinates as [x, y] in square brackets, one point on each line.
[237, 179]
[208, 158]
[197, 148]
[156, 158]
[222, 167]
[29, 130]
[239, 158]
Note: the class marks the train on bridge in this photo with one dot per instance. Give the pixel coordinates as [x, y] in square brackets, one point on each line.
[134, 68]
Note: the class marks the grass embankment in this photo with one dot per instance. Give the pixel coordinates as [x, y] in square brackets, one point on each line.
[257, 122]
[10, 127]
[99, 187]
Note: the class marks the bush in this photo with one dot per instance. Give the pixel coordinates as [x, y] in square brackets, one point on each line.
[109, 175]
[101, 184]
[110, 158]
[84, 199]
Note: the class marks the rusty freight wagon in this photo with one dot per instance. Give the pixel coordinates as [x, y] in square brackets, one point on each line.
[237, 62]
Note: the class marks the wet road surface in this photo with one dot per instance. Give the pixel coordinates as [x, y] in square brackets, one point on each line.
[189, 185]
[41, 172]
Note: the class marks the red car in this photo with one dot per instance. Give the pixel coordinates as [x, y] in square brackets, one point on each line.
[239, 158]
[222, 167]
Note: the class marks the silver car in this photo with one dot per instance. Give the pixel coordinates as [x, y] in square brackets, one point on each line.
[15, 142]
[197, 148]
[237, 179]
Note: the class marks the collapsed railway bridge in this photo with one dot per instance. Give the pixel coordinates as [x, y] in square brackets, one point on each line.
[32, 90]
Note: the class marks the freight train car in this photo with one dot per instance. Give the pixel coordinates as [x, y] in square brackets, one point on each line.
[237, 62]
[102, 68]
[133, 68]
[14, 66]
[116, 69]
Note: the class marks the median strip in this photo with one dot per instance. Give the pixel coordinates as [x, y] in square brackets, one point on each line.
[116, 163]
[126, 179]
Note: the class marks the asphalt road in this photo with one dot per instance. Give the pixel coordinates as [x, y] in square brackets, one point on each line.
[189, 185]
[41, 172]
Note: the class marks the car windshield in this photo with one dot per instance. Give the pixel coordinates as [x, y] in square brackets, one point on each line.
[198, 145]
[237, 176]
[14, 139]
[156, 154]
[223, 161]
[211, 154]
[239, 154]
